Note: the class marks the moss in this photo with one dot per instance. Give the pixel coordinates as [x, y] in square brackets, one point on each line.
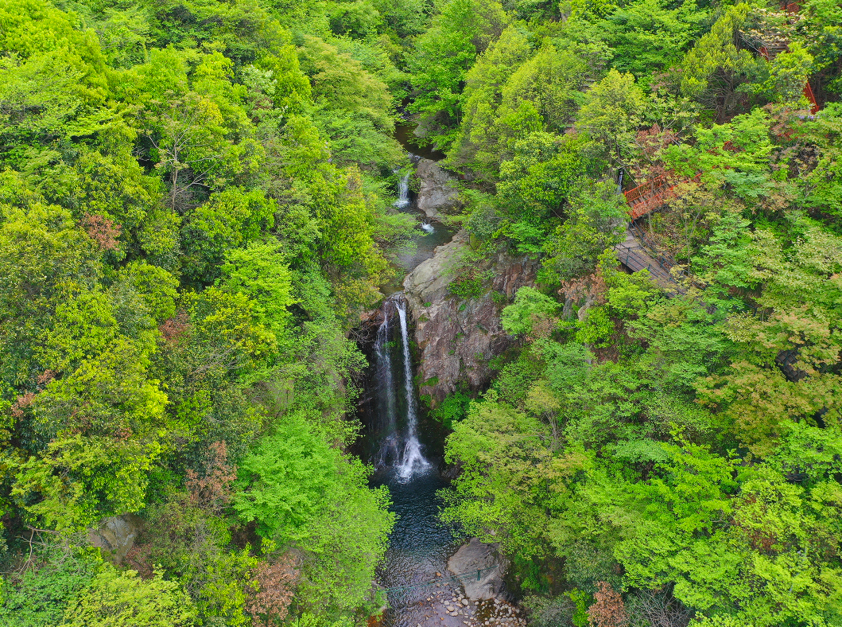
[499, 298]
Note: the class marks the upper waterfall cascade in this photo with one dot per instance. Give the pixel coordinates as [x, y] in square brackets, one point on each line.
[403, 192]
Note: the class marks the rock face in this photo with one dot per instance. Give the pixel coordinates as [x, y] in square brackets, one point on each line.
[485, 558]
[457, 337]
[116, 535]
[436, 193]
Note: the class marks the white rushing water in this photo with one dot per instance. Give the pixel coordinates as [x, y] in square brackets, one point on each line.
[412, 458]
[403, 192]
[428, 227]
[389, 447]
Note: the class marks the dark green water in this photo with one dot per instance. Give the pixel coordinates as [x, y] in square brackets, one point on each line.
[405, 134]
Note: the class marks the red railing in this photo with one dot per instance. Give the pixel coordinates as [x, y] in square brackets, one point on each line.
[648, 197]
[808, 93]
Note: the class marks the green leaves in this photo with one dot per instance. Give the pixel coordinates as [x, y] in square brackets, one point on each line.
[260, 272]
[305, 494]
[536, 181]
[460, 30]
[595, 217]
[79, 480]
[282, 483]
[530, 309]
[647, 37]
[230, 219]
[507, 472]
[612, 113]
[123, 599]
[715, 52]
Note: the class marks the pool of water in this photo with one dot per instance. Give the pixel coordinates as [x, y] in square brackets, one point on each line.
[419, 547]
[429, 235]
[405, 134]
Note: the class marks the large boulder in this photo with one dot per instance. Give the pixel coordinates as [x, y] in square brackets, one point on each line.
[480, 568]
[437, 192]
[116, 535]
[458, 337]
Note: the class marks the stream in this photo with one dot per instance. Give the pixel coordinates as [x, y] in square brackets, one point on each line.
[405, 446]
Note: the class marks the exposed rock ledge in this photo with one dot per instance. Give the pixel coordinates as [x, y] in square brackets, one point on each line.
[489, 565]
[116, 535]
[457, 337]
[437, 192]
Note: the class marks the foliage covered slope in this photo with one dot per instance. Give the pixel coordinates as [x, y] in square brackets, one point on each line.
[653, 456]
[194, 208]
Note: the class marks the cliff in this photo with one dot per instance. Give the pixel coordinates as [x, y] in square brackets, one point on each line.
[458, 337]
[438, 192]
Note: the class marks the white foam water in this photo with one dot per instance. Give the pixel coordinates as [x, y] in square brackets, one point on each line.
[403, 192]
[428, 227]
[412, 459]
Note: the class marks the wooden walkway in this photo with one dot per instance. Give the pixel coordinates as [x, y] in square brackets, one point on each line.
[631, 253]
[653, 194]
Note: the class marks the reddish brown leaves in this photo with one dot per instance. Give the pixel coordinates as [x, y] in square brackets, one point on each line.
[212, 490]
[609, 609]
[275, 590]
[173, 328]
[23, 401]
[102, 230]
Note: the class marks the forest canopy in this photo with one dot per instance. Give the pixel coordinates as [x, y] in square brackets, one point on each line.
[196, 205]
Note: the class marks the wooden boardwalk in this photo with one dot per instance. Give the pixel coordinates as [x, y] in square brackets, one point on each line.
[631, 253]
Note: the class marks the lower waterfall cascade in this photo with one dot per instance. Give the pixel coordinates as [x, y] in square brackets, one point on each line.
[400, 448]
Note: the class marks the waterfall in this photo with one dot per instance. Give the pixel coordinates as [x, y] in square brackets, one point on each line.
[400, 448]
[428, 228]
[386, 400]
[412, 457]
[403, 192]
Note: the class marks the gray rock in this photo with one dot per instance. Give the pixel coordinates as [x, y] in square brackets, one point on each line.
[437, 192]
[482, 557]
[116, 535]
[457, 337]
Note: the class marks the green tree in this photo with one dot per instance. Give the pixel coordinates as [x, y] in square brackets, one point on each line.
[612, 115]
[596, 217]
[715, 67]
[648, 37]
[460, 30]
[230, 219]
[530, 309]
[304, 494]
[124, 599]
[537, 180]
[261, 273]
[482, 139]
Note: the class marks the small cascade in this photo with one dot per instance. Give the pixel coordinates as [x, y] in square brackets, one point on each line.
[403, 192]
[428, 228]
[412, 457]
